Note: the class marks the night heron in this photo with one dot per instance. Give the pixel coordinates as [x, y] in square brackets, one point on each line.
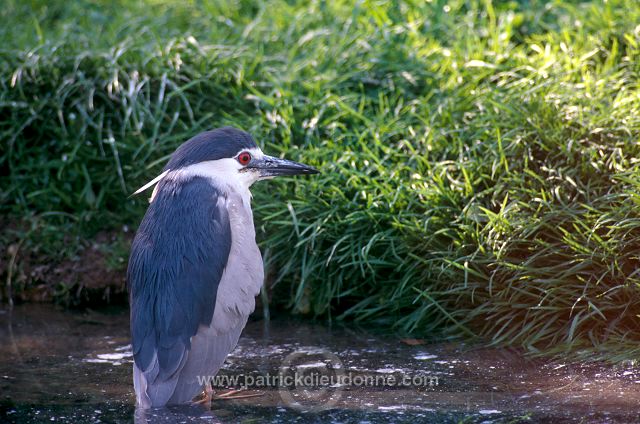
[195, 268]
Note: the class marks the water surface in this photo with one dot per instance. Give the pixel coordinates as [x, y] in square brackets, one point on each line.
[58, 366]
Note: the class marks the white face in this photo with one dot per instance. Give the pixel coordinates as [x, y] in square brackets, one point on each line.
[223, 173]
[226, 172]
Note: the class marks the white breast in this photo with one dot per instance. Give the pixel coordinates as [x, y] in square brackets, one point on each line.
[244, 274]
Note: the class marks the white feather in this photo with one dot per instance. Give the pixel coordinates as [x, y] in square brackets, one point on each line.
[151, 183]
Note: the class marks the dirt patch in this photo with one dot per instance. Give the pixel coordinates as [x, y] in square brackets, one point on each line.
[95, 276]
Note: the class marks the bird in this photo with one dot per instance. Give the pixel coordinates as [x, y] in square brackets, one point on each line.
[195, 268]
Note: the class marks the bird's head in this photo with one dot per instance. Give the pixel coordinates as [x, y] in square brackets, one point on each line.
[230, 158]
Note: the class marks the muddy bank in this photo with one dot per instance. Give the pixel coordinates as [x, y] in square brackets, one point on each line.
[92, 275]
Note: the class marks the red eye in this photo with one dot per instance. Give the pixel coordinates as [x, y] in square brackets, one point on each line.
[244, 158]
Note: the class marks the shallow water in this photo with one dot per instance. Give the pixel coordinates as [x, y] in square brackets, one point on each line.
[59, 366]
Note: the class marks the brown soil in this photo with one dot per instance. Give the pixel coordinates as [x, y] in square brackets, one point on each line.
[84, 280]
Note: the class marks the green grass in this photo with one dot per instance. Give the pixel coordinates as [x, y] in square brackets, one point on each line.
[479, 161]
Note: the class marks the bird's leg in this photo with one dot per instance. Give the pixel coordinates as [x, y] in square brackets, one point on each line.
[206, 396]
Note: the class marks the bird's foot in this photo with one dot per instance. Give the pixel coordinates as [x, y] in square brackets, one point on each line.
[205, 397]
[235, 394]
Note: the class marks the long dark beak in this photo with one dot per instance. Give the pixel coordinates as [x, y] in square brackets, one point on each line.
[270, 166]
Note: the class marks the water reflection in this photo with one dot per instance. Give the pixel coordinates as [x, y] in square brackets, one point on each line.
[181, 414]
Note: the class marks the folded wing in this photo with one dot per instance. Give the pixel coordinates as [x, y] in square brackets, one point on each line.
[177, 260]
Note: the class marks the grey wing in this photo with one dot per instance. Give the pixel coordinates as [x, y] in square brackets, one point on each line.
[177, 261]
[209, 349]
